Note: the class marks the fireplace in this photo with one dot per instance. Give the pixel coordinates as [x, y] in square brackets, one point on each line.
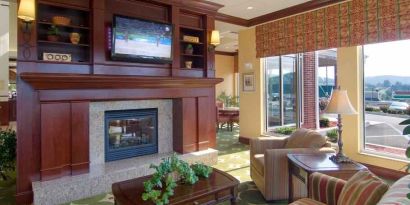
[130, 133]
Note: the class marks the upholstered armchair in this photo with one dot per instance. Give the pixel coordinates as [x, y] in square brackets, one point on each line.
[269, 163]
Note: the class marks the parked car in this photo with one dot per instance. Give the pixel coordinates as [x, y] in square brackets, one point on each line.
[399, 106]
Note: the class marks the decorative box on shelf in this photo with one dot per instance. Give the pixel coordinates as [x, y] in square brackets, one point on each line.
[57, 57]
[192, 39]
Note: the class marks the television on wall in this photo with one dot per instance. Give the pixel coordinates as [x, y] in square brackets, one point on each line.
[140, 40]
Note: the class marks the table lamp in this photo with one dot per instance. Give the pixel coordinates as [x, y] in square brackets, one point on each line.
[340, 104]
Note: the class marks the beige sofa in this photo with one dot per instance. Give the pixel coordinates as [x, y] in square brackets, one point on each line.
[268, 160]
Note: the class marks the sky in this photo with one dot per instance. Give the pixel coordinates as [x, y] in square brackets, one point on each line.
[391, 58]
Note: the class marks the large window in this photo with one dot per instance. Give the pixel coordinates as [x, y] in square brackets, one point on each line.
[386, 97]
[281, 77]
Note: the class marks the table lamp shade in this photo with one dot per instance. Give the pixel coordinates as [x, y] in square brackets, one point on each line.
[340, 103]
[27, 10]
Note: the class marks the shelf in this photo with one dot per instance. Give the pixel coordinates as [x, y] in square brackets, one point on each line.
[191, 28]
[63, 43]
[192, 55]
[66, 26]
[198, 43]
[57, 62]
[195, 69]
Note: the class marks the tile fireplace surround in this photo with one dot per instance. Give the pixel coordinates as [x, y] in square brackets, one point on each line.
[102, 174]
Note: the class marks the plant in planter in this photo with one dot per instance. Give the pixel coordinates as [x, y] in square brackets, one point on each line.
[189, 49]
[7, 152]
[161, 186]
[332, 135]
[53, 33]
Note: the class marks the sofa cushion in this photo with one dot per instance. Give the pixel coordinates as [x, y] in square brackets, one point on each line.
[304, 138]
[397, 193]
[259, 164]
[306, 201]
[363, 188]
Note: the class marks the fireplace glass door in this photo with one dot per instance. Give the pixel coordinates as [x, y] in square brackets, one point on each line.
[130, 133]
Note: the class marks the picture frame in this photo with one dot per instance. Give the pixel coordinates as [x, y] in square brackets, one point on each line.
[248, 82]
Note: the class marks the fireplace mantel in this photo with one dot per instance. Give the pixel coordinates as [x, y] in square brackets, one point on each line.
[47, 81]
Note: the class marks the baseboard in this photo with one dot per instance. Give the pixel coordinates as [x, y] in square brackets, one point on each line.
[385, 172]
[244, 140]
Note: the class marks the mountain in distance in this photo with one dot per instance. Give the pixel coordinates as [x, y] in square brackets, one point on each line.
[392, 78]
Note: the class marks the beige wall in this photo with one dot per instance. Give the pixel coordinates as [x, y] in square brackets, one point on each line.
[4, 50]
[251, 103]
[224, 68]
[350, 74]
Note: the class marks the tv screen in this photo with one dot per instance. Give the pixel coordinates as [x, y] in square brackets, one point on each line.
[141, 40]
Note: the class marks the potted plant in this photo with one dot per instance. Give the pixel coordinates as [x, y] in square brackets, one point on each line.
[7, 152]
[169, 173]
[53, 33]
[189, 49]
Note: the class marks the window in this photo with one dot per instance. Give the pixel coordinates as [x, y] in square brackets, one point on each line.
[281, 81]
[386, 94]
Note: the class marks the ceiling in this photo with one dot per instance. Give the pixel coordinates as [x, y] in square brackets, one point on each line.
[248, 9]
[229, 36]
[245, 9]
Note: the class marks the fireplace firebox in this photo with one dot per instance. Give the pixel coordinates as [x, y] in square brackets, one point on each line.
[130, 133]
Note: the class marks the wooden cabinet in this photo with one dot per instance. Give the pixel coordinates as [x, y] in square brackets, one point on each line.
[4, 113]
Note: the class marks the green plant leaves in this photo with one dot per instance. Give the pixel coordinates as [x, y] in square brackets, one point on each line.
[164, 179]
[405, 122]
[7, 152]
[406, 130]
[408, 152]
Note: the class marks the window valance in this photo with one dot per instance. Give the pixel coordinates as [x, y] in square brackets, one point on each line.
[351, 23]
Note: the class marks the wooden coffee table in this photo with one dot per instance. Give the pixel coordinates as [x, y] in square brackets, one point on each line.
[220, 186]
[302, 165]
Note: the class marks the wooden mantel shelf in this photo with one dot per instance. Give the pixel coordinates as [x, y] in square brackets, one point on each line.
[43, 81]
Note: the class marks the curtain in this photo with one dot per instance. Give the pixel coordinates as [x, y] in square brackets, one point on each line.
[350, 23]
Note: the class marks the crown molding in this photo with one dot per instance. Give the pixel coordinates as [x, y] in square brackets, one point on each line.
[290, 11]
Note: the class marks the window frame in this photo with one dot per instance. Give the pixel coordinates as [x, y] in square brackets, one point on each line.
[362, 146]
[298, 80]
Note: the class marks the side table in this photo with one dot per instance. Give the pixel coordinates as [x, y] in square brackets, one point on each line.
[302, 165]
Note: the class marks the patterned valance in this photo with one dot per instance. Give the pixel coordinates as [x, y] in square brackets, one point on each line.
[351, 23]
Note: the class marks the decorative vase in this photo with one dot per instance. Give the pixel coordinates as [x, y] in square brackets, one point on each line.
[75, 38]
[188, 64]
[189, 49]
[53, 38]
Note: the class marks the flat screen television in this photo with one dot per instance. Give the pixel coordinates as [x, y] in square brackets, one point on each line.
[140, 40]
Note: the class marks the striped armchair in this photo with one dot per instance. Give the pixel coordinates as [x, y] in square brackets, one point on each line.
[327, 190]
[269, 163]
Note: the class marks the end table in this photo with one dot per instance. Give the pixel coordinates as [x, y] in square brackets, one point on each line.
[302, 165]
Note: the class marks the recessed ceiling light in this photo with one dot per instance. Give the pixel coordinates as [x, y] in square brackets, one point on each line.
[249, 7]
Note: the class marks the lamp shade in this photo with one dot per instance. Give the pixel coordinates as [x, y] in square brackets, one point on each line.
[27, 10]
[215, 38]
[340, 103]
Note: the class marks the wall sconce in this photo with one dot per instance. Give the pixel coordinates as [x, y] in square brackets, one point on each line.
[27, 13]
[215, 40]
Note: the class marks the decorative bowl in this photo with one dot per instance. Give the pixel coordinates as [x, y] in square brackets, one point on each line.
[61, 20]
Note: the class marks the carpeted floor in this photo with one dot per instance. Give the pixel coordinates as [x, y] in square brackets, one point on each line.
[233, 158]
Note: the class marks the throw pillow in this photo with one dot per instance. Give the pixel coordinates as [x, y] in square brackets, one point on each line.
[363, 188]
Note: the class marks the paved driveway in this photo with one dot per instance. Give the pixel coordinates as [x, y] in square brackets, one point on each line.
[385, 130]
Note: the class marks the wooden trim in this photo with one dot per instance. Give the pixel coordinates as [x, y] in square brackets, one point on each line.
[300, 8]
[385, 172]
[226, 53]
[232, 19]
[43, 81]
[244, 140]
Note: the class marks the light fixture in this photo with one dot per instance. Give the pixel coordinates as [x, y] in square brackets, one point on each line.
[27, 13]
[215, 40]
[249, 7]
[340, 104]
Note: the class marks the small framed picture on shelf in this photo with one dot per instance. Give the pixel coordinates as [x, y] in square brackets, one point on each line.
[248, 82]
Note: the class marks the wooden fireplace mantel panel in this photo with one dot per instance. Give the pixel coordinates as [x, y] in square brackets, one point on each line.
[49, 81]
